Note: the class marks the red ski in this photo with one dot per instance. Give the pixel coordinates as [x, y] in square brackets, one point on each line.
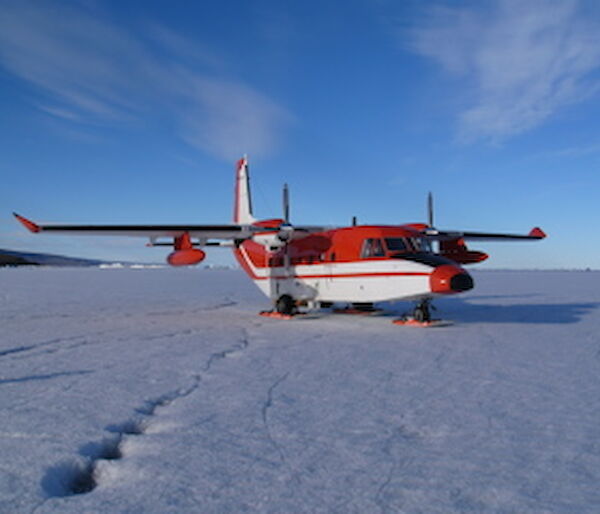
[411, 322]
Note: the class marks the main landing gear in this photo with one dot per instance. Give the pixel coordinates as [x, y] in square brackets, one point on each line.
[286, 305]
[285, 308]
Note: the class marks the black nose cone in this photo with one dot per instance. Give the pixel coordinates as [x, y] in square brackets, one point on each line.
[461, 282]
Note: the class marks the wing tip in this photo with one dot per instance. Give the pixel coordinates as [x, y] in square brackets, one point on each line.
[537, 232]
[28, 224]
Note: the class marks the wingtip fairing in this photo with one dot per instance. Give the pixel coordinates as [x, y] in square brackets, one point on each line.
[537, 232]
[28, 224]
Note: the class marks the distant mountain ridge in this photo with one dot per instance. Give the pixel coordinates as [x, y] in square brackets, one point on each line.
[15, 258]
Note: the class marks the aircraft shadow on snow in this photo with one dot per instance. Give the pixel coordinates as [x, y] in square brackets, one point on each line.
[467, 311]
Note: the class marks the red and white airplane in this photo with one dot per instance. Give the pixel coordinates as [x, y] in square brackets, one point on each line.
[318, 266]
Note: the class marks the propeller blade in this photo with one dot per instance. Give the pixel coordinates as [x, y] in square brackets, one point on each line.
[286, 204]
[430, 209]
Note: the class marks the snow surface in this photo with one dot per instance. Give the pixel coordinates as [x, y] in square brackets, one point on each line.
[164, 390]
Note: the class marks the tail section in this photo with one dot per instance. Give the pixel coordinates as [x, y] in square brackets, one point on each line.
[242, 202]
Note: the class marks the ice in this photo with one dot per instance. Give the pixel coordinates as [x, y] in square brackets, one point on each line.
[161, 390]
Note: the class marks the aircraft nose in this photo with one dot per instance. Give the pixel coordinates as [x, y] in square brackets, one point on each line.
[448, 279]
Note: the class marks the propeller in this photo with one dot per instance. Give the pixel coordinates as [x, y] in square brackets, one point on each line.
[430, 210]
[286, 229]
[431, 230]
[286, 204]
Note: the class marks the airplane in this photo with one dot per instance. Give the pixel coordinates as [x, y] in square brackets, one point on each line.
[319, 266]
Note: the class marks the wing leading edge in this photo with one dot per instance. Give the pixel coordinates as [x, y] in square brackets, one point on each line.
[443, 235]
[226, 232]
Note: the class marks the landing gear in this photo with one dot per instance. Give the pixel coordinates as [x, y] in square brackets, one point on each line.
[421, 317]
[285, 308]
[422, 312]
[285, 305]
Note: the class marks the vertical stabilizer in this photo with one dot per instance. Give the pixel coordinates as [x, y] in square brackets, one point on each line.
[242, 202]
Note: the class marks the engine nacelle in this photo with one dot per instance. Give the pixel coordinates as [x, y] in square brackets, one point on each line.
[268, 239]
[286, 233]
[187, 257]
[456, 250]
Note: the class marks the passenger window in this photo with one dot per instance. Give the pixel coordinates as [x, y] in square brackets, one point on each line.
[378, 250]
[421, 244]
[372, 248]
[396, 244]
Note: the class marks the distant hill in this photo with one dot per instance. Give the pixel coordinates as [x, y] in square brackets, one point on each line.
[14, 258]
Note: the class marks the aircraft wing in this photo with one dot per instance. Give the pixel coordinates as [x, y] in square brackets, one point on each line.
[231, 232]
[225, 232]
[445, 235]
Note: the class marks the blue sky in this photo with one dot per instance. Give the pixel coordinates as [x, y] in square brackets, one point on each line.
[135, 111]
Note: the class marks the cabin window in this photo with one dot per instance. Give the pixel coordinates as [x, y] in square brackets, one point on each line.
[396, 244]
[420, 244]
[372, 248]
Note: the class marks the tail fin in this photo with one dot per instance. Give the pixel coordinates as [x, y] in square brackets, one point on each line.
[242, 202]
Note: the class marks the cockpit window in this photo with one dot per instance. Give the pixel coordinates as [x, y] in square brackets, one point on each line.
[372, 248]
[420, 244]
[396, 244]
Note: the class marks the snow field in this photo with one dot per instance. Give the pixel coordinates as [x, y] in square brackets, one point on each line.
[163, 391]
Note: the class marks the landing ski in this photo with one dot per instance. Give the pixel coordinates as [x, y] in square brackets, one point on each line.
[411, 322]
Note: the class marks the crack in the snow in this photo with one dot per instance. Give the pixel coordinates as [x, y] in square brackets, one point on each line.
[177, 312]
[48, 376]
[51, 346]
[399, 435]
[242, 345]
[379, 496]
[265, 410]
[79, 476]
[20, 349]
[35, 346]
[223, 305]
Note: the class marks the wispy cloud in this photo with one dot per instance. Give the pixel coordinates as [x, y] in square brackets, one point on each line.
[585, 150]
[90, 69]
[523, 61]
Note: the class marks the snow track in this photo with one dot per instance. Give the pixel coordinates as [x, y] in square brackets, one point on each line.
[163, 391]
[80, 477]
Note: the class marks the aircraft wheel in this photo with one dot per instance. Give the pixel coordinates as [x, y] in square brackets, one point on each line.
[422, 312]
[285, 305]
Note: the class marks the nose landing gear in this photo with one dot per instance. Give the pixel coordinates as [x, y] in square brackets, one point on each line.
[421, 317]
[422, 311]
